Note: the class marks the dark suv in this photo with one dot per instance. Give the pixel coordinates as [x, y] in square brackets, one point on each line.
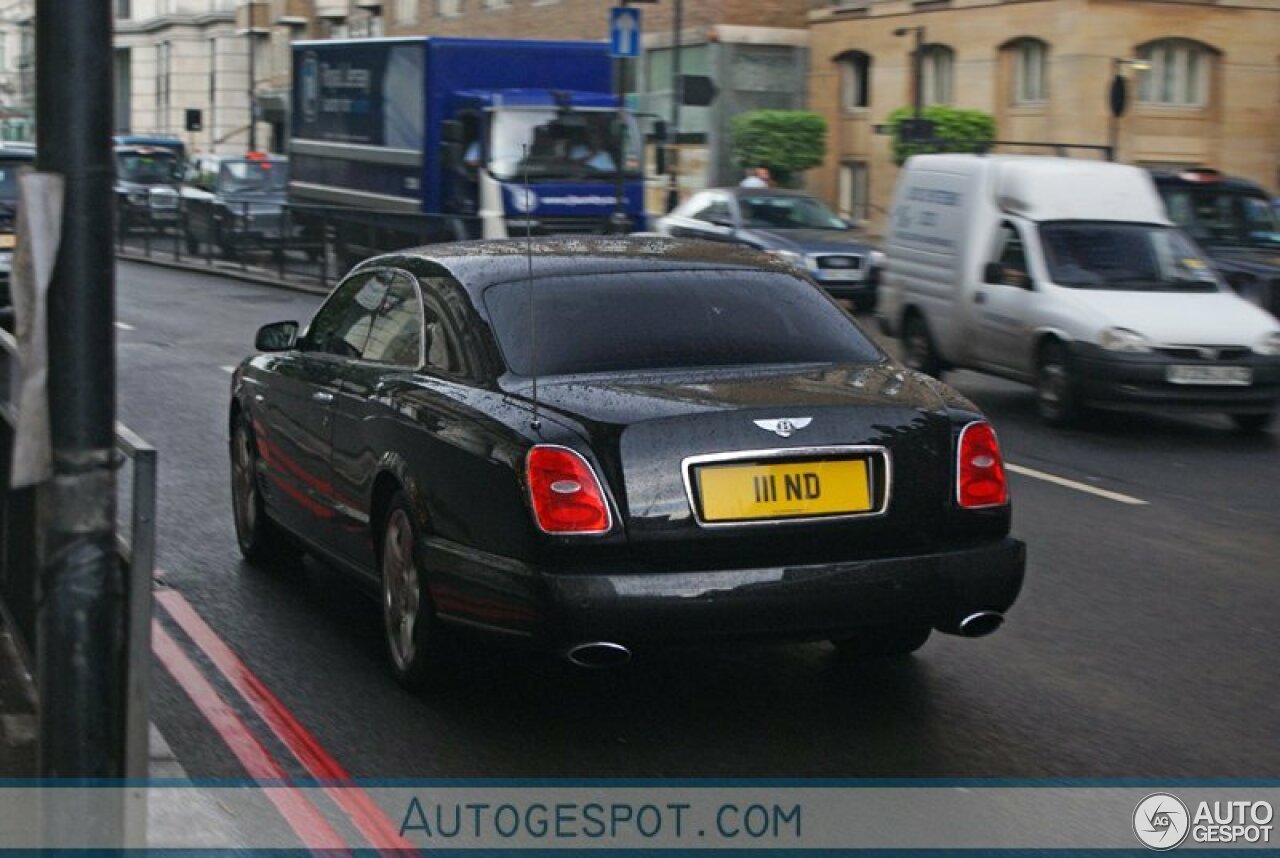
[146, 188]
[13, 157]
[235, 203]
[1235, 223]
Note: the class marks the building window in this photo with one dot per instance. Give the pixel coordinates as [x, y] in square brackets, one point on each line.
[123, 12]
[406, 11]
[1179, 73]
[1030, 71]
[497, 4]
[855, 80]
[163, 54]
[124, 89]
[448, 8]
[855, 198]
[937, 65]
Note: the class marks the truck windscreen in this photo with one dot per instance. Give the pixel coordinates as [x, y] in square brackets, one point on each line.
[576, 144]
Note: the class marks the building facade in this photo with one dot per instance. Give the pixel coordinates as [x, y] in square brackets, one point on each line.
[17, 69]
[1205, 89]
[175, 56]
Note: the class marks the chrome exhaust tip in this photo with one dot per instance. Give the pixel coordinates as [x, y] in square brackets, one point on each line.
[598, 654]
[981, 623]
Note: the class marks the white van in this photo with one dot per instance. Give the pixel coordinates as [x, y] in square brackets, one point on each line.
[1067, 274]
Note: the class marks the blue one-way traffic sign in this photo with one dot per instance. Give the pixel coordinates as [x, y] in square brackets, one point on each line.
[624, 32]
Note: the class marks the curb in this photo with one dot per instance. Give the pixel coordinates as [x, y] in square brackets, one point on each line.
[247, 275]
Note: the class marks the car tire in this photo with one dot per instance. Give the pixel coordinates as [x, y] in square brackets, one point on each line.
[1252, 424]
[1057, 402]
[260, 539]
[918, 350]
[408, 620]
[883, 642]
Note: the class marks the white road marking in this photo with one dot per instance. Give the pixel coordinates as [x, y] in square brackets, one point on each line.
[1072, 484]
[125, 326]
[227, 369]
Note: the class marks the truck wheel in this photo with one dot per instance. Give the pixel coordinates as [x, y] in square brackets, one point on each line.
[918, 350]
[1252, 423]
[883, 642]
[1056, 399]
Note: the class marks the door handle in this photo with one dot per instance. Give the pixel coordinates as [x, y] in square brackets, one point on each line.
[980, 298]
[322, 396]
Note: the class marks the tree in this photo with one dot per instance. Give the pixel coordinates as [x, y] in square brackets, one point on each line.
[786, 141]
[955, 129]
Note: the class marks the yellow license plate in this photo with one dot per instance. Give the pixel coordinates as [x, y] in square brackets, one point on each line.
[792, 490]
[7, 240]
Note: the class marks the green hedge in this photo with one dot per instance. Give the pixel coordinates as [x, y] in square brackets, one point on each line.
[956, 129]
[788, 142]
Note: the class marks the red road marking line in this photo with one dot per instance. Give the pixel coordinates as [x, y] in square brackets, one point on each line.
[312, 828]
[380, 831]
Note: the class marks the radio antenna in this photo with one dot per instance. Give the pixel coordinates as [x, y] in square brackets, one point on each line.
[533, 314]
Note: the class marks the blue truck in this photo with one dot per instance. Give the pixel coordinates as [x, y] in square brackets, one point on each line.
[404, 140]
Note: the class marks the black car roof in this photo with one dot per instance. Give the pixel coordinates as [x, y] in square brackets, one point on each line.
[1225, 183]
[479, 264]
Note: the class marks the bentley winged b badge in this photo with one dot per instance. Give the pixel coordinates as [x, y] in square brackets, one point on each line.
[784, 427]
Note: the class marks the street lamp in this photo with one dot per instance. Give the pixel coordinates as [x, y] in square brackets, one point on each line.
[917, 69]
[1119, 98]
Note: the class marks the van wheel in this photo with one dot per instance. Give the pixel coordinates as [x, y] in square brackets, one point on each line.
[919, 352]
[1056, 399]
[1252, 423]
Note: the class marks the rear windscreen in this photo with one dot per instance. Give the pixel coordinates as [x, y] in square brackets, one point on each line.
[657, 320]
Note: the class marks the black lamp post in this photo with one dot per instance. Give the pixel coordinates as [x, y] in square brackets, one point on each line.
[917, 67]
[1118, 99]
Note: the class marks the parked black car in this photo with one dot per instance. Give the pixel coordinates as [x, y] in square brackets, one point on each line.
[1234, 221]
[146, 188]
[791, 225]
[235, 203]
[713, 450]
[13, 157]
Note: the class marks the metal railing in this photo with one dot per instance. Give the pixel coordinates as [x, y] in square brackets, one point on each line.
[19, 559]
[308, 244]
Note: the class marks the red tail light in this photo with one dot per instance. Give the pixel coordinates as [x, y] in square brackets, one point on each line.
[980, 479]
[566, 495]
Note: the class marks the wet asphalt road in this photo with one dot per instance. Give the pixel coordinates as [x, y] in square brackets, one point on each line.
[1144, 643]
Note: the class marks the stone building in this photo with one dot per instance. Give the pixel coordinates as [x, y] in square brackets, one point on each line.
[178, 55]
[1206, 89]
[17, 69]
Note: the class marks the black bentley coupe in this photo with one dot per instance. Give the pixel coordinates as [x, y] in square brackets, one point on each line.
[598, 444]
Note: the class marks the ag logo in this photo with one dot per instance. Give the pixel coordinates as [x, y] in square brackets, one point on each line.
[1161, 821]
[523, 200]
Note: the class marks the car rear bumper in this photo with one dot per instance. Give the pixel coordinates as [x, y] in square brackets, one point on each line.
[780, 603]
[1139, 381]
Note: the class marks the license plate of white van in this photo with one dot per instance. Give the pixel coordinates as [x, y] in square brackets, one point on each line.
[1232, 375]
[841, 274]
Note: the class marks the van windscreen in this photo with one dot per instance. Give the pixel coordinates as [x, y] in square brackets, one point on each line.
[1124, 256]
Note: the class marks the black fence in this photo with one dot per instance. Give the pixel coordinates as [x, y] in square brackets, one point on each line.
[307, 244]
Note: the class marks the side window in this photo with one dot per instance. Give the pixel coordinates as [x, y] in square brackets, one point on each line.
[396, 335]
[443, 346]
[717, 212]
[1013, 255]
[341, 327]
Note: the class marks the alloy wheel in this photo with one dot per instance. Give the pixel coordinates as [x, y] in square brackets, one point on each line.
[401, 589]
